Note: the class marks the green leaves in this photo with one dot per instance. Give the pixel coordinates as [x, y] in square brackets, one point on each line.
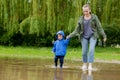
[46, 17]
[32, 25]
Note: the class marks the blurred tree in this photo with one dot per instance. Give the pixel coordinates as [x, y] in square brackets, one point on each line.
[43, 18]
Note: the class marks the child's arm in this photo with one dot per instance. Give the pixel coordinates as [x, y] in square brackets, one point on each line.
[67, 41]
[54, 47]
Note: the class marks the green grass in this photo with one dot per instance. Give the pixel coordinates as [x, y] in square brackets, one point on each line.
[107, 53]
[25, 52]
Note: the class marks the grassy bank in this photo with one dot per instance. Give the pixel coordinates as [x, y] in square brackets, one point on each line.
[107, 53]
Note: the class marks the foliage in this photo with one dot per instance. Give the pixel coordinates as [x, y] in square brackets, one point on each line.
[113, 32]
[34, 22]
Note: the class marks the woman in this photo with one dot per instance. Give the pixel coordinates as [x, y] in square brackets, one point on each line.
[87, 29]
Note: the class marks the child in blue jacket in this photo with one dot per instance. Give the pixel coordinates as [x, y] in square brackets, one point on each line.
[59, 48]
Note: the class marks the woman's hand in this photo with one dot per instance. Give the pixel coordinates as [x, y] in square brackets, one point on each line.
[105, 39]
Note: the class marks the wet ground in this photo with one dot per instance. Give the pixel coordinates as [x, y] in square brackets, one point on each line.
[14, 69]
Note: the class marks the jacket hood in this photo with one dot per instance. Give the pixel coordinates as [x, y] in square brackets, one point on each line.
[60, 32]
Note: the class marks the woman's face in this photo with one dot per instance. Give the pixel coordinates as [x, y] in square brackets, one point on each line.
[86, 10]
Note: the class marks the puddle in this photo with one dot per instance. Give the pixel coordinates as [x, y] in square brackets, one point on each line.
[13, 69]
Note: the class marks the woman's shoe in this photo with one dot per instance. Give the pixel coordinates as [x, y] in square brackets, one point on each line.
[84, 67]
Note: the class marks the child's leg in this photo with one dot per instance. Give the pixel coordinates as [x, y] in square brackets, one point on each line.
[56, 61]
[61, 61]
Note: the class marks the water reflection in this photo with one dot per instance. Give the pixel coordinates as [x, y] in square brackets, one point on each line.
[58, 74]
[36, 70]
[87, 76]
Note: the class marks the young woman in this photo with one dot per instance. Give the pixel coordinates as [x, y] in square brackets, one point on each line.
[88, 29]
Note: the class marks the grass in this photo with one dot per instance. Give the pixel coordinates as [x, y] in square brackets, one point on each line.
[25, 52]
[107, 53]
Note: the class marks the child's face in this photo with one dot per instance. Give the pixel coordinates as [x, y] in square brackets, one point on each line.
[60, 36]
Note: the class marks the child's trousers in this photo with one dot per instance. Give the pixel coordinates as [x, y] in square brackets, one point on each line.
[61, 60]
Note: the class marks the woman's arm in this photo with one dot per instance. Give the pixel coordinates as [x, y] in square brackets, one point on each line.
[76, 31]
[100, 29]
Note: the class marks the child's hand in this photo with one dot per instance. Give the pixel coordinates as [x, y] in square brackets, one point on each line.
[53, 42]
[52, 52]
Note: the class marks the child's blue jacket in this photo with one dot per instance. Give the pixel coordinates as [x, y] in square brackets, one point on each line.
[60, 46]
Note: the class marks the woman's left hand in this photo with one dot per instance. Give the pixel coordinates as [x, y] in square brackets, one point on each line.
[105, 39]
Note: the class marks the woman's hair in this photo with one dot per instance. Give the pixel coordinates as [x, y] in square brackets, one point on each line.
[87, 5]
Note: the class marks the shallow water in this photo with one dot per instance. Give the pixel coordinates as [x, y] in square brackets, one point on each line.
[14, 69]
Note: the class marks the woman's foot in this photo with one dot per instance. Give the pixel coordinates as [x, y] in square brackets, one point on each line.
[84, 67]
[90, 67]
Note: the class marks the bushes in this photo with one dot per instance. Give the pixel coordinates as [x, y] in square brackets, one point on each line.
[27, 40]
[74, 42]
[36, 39]
[113, 33]
[18, 39]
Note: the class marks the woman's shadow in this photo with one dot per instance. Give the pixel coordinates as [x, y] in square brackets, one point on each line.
[87, 76]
